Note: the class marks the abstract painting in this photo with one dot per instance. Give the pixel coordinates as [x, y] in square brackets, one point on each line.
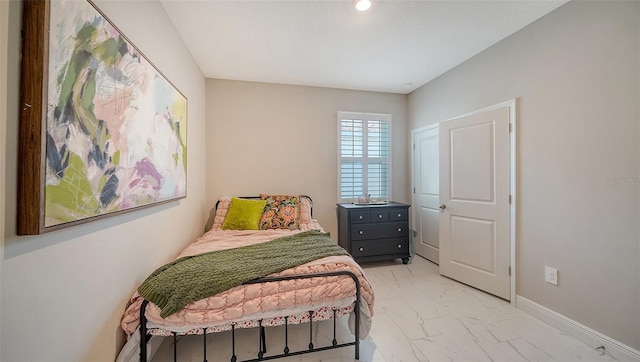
[114, 129]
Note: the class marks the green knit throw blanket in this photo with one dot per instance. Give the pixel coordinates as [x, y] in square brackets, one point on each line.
[191, 278]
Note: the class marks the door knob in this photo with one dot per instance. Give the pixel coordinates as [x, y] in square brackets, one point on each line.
[443, 206]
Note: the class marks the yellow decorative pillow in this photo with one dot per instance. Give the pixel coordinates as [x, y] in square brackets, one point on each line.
[244, 214]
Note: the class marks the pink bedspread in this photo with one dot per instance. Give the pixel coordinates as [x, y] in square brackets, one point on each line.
[255, 301]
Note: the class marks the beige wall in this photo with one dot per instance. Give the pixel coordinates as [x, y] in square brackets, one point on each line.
[274, 138]
[576, 75]
[63, 293]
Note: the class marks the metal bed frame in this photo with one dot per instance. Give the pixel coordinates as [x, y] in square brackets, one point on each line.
[262, 348]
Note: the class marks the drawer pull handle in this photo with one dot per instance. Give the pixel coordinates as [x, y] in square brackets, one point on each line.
[361, 232]
[399, 215]
[399, 229]
[360, 217]
[399, 246]
[361, 249]
[379, 216]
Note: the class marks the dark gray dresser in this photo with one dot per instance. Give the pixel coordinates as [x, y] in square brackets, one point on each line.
[374, 232]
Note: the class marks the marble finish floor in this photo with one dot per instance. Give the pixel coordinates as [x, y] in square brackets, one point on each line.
[419, 316]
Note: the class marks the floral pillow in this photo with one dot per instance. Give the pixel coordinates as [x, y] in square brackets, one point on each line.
[281, 212]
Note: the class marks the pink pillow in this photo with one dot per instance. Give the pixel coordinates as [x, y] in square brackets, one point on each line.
[305, 210]
[221, 212]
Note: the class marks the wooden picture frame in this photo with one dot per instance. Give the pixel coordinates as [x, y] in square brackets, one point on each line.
[102, 131]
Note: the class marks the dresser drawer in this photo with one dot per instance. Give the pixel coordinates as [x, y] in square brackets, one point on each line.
[379, 215]
[356, 217]
[379, 230]
[379, 247]
[398, 215]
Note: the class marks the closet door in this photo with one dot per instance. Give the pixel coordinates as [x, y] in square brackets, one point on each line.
[426, 193]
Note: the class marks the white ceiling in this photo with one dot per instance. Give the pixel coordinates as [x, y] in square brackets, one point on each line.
[396, 46]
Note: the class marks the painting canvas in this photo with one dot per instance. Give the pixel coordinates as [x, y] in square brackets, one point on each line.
[115, 127]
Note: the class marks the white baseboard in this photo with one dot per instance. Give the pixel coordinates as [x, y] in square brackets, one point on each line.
[616, 349]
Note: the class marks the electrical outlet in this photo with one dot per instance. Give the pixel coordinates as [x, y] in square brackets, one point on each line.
[551, 275]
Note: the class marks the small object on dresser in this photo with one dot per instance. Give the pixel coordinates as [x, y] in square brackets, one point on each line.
[372, 232]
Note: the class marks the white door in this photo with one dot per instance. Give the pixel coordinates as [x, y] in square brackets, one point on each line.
[426, 200]
[474, 196]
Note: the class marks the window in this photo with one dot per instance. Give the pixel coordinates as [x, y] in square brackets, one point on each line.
[364, 151]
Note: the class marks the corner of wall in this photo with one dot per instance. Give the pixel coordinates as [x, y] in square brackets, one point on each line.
[4, 50]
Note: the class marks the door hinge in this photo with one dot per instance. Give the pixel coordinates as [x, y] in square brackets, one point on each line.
[510, 128]
[509, 199]
[509, 270]
[414, 190]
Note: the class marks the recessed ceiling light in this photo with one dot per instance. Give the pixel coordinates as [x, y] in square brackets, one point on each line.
[363, 5]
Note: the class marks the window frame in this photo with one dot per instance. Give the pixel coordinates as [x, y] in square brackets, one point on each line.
[365, 117]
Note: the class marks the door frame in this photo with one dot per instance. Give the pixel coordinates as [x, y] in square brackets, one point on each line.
[512, 104]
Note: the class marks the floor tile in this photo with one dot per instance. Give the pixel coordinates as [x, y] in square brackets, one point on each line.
[419, 316]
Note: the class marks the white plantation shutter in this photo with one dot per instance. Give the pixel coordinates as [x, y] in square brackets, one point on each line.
[364, 156]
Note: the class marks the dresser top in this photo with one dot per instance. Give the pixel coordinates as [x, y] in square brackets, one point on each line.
[366, 206]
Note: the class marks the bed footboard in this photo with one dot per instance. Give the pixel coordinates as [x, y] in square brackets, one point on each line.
[262, 347]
